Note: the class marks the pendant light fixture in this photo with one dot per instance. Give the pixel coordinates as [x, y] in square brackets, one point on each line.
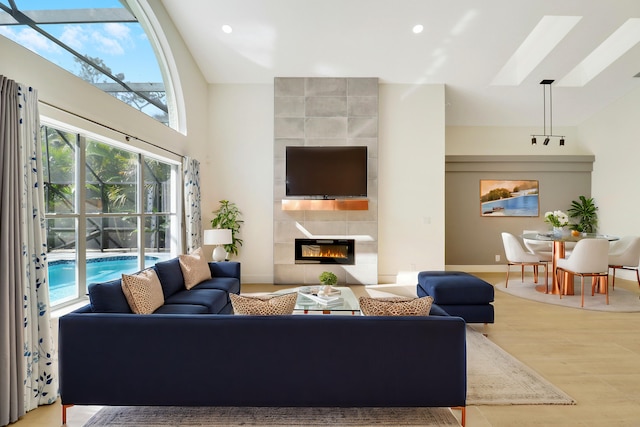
[547, 136]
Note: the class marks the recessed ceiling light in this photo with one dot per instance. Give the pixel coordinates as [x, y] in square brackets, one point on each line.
[227, 29]
[616, 45]
[542, 40]
[417, 29]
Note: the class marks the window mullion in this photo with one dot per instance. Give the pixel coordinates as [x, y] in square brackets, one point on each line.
[177, 226]
[81, 220]
[141, 211]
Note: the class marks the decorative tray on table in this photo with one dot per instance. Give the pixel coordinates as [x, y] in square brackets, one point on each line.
[310, 293]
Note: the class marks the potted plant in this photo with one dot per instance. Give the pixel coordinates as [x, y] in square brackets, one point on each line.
[328, 279]
[228, 216]
[586, 212]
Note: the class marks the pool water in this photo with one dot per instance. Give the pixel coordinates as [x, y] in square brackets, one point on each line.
[62, 273]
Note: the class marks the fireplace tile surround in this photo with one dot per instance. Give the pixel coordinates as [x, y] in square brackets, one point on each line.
[325, 111]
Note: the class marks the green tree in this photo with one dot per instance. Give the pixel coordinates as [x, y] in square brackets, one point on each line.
[90, 73]
[58, 150]
[495, 194]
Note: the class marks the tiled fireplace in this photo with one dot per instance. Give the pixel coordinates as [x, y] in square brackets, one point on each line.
[325, 112]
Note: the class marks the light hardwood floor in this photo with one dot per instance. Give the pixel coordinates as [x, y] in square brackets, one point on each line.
[592, 356]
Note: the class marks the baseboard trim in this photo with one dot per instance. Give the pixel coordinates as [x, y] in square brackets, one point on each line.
[499, 268]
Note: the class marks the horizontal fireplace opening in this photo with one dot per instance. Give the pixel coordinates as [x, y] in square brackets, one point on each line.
[325, 251]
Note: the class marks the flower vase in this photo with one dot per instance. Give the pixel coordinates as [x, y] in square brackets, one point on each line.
[560, 231]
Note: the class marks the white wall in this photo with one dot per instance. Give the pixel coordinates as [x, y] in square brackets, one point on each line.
[238, 166]
[509, 140]
[612, 135]
[189, 82]
[411, 180]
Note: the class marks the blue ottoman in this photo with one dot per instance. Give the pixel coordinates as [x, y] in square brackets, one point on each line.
[459, 294]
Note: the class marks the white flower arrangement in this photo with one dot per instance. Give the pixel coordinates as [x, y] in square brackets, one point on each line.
[556, 218]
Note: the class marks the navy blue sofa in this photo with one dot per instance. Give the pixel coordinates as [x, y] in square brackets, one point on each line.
[210, 296]
[279, 361]
[193, 352]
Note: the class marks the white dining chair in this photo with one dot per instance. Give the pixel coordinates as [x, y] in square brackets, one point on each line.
[589, 258]
[516, 255]
[544, 250]
[625, 254]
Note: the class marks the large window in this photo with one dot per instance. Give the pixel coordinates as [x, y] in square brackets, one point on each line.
[100, 41]
[109, 211]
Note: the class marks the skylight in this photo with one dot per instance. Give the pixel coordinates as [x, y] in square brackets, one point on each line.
[616, 45]
[538, 44]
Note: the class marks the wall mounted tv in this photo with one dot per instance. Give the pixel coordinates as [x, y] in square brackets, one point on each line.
[326, 172]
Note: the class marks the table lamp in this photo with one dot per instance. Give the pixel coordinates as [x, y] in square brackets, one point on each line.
[218, 237]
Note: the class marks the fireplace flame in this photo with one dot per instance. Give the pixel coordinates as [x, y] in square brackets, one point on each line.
[324, 252]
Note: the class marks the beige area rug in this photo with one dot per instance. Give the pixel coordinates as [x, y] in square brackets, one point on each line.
[494, 377]
[620, 300]
[152, 416]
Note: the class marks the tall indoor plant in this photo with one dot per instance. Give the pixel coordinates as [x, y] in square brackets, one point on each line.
[228, 216]
[586, 212]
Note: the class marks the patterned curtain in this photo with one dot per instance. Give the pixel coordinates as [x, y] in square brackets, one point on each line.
[28, 372]
[192, 206]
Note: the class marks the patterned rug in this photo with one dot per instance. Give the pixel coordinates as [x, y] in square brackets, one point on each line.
[620, 300]
[494, 377]
[150, 416]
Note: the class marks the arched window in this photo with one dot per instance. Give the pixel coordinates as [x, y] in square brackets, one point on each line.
[104, 45]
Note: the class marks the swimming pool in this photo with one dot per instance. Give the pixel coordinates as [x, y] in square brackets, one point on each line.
[62, 273]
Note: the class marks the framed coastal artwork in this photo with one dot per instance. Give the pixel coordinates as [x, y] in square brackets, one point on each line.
[499, 197]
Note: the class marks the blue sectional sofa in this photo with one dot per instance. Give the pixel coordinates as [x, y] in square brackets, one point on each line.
[210, 296]
[192, 352]
[282, 361]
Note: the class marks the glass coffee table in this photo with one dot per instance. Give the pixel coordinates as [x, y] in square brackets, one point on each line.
[341, 302]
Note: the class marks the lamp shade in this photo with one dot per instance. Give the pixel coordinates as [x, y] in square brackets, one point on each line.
[217, 236]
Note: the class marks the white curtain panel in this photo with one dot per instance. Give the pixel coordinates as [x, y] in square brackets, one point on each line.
[192, 203]
[41, 385]
[28, 374]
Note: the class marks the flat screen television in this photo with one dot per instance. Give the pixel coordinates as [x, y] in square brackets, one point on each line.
[326, 172]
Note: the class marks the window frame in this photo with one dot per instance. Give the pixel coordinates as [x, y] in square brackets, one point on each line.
[80, 215]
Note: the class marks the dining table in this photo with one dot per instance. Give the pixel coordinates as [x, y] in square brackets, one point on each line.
[558, 250]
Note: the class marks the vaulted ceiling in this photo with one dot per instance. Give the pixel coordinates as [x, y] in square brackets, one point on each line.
[464, 44]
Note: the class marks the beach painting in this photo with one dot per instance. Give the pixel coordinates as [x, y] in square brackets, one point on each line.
[509, 197]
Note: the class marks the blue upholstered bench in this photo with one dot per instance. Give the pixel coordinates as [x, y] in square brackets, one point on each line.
[459, 294]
